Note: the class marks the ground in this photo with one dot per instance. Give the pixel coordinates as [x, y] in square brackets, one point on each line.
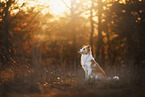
[66, 83]
[86, 89]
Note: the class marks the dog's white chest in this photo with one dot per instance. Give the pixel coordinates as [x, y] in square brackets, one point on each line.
[86, 59]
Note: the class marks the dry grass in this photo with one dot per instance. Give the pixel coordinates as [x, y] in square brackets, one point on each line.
[23, 79]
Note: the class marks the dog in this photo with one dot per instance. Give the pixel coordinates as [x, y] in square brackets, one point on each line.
[91, 67]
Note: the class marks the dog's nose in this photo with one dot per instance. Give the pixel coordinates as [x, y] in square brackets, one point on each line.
[79, 50]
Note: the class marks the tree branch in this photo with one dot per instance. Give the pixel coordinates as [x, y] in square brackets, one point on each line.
[18, 12]
[66, 4]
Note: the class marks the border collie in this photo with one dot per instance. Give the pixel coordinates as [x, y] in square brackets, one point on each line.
[91, 67]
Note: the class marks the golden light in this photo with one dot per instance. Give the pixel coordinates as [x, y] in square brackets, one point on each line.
[58, 7]
[55, 7]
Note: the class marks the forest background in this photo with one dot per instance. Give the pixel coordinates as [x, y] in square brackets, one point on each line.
[40, 46]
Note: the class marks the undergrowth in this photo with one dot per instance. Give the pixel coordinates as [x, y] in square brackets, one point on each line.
[48, 77]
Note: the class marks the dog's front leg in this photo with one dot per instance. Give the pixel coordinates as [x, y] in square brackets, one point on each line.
[86, 75]
[89, 73]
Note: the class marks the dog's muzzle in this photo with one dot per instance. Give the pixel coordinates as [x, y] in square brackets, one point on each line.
[80, 51]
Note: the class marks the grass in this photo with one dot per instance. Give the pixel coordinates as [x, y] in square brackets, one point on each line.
[47, 79]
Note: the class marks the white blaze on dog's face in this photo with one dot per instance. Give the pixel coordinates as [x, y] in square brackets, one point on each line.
[85, 49]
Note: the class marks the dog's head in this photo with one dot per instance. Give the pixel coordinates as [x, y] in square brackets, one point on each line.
[85, 49]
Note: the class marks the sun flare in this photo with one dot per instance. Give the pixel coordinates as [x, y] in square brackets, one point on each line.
[57, 7]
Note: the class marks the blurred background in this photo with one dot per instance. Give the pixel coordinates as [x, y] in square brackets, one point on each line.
[39, 39]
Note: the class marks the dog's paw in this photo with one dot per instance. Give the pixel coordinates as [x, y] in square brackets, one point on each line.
[116, 77]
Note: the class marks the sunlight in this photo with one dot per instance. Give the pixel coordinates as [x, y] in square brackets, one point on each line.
[57, 7]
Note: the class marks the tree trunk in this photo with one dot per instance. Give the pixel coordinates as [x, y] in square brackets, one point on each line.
[73, 29]
[92, 24]
[99, 42]
[6, 34]
[108, 44]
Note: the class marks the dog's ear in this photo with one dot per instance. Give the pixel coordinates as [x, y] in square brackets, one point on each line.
[83, 46]
[89, 47]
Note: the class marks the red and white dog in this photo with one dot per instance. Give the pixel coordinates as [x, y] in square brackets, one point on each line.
[91, 67]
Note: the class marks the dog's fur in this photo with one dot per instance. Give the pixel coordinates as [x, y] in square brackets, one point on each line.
[91, 67]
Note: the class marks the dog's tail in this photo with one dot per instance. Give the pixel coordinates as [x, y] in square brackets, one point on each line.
[113, 78]
[104, 74]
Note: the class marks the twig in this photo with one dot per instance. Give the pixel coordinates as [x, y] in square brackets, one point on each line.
[66, 4]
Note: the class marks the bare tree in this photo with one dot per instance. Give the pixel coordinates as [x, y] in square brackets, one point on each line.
[6, 21]
[100, 48]
[73, 29]
[92, 24]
